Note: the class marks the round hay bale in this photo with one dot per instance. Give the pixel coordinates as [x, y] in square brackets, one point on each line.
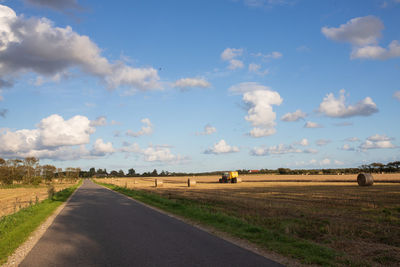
[238, 180]
[158, 183]
[191, 182]
[365, 179]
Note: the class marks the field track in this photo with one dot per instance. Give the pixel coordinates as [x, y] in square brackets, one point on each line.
[99, 227]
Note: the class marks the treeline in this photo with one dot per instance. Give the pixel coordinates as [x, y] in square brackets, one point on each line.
[29, 171]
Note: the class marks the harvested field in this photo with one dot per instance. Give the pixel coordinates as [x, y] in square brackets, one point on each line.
[361, 222]
[13, 199]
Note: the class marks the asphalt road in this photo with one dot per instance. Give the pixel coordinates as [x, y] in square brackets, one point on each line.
[99, 227]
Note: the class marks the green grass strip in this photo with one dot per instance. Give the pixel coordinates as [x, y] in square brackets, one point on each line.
[306, 251]
[16, 228]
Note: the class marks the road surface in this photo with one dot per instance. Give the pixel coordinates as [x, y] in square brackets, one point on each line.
[99, 227]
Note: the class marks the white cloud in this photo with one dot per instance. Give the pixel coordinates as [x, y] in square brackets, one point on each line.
[274, 150]
[231, 53]
[235, 64]
[259, 99]
[377, 52]
[55, 131]
[376, 142]
[336, 107]
[154, 153]
[304, 142]
[294, 116]
[352, 139]
[260, 113]
[310, 124]
[359, 31]
[161, 154]
[322, 142]
[52, 137]
[245, 87]
[256, 68]
[347, 147]
[325, 162]
[186, 83]
[274, 55]
[396, 95]
[35, 45]
[99, 121]
[55, 4]
[146, 129]
[363, 33]
[101, 149]
[208, 129]
[221, 148]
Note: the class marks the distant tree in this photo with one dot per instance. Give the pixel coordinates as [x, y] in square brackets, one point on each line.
[131, 172]
[114, 173]
[121, 173]
[92, 172]
[48, 172]
[154, 173]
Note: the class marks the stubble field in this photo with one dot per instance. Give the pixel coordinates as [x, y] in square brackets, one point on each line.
[13, 199]
[363, 223]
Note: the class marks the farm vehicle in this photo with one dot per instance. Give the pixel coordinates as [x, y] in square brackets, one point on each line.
[229, 177]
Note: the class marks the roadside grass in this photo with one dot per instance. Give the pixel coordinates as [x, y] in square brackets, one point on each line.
[269, 237]
[16, 228]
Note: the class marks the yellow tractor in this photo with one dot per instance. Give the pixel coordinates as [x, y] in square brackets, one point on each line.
[229, 177]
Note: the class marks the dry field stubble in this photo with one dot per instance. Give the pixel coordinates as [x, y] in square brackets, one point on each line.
[13, 199]
[332, 210]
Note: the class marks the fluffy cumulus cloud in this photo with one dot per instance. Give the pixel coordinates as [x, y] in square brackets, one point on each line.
[377, 141]
[55, 4]
[221, 148]
[259, 100]
[101, 149]
[146, 129]
[99, 121]
[304, 142]
[377, 52]
[186, 83]
[154, 153]
[347, 147]
[36, 45]
[230, 55]
[279, 150]
[208, 129]
[358, 31]
[53, 138]
[396, 95]
[310, 124]
[294, 116]
[337, 108]
[363, 33]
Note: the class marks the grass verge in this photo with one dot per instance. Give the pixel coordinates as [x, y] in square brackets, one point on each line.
[303, 250]
[16, 228]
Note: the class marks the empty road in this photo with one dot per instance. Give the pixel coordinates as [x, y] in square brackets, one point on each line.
[99, 227]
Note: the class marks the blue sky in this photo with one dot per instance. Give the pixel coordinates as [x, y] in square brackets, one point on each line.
[200, 85]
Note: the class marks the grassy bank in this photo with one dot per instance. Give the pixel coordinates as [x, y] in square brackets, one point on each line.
[16, 228]
[270, 238]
